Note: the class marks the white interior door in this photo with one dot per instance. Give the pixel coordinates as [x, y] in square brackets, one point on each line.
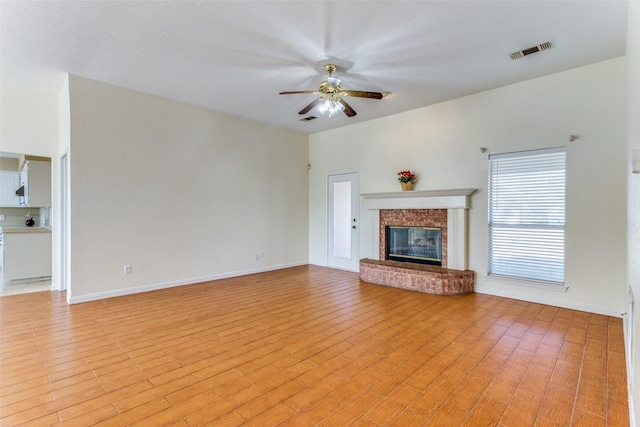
[342, 227]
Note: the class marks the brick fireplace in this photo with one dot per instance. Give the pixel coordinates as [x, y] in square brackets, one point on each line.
[446, 209]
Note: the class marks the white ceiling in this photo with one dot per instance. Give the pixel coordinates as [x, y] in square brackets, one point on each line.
[235, 56]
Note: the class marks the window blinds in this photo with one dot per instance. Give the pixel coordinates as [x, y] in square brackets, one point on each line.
[527, 215]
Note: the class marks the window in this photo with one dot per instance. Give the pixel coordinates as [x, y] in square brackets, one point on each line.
[342, 219]
[527, 214]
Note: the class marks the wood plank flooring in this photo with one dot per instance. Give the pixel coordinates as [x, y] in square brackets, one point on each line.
[307, 346]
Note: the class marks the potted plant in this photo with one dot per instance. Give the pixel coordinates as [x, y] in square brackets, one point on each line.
[407, 179]
[30, 221]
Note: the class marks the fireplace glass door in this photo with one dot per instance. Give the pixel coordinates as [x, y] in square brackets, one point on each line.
[415, 244]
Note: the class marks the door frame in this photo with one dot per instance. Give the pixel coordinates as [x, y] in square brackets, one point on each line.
[64, 227]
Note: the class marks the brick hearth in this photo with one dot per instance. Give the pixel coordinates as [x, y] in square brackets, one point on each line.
[417, 277]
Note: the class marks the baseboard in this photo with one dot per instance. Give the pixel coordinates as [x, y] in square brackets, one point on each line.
[607, 311]
[336, 268]
[27, 280]
[172, 284]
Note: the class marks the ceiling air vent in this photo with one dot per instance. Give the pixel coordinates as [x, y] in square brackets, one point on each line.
[530, 50]
[307, 119]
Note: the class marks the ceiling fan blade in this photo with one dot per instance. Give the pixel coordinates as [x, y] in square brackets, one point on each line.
[297, 91]
[362, 94]
[350, 112]
[309, 107]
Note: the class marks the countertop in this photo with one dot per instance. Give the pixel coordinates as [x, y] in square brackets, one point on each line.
[25, 229]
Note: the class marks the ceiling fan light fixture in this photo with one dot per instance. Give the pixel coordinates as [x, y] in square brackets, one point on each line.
[330, 106]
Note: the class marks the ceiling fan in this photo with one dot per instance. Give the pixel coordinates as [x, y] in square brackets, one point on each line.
[331, 101]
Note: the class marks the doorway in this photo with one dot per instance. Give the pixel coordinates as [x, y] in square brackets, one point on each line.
[342, 226]
[26, 193]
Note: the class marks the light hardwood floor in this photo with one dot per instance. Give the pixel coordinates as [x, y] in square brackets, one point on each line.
[307, 346]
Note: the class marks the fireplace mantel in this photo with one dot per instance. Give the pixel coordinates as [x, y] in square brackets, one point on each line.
[457, 198]
[455, 201]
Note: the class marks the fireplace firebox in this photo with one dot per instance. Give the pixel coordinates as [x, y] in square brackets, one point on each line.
[414, 244]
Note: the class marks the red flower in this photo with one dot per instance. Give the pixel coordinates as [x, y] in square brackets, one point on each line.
[406, 176]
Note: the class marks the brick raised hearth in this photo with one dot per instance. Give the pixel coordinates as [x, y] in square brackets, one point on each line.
[439, 208]
[417, 277]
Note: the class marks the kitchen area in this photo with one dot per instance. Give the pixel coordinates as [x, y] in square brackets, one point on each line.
[25, 223]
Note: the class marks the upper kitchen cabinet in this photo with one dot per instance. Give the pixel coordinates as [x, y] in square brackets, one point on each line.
[25, 180]
[9, 182]
[35, 177]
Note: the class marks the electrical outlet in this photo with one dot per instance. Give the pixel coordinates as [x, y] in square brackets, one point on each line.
[1, 217]
[127, 269]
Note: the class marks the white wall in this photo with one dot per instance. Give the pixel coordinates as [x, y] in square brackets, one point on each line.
[178, 192]
[633, 191]
[28, 122]
[442, 144]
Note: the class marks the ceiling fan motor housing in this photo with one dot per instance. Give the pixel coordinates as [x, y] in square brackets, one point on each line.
[331, 86]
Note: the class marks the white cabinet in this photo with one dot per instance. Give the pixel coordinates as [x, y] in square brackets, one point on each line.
[26, 255]
[36, 178]
[9, 183]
